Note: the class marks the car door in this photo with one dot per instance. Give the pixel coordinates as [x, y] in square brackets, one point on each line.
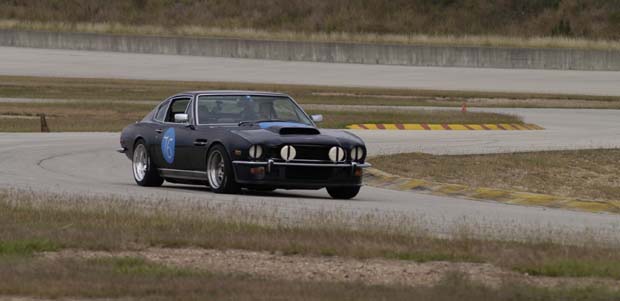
[156, 129]
[174, 139]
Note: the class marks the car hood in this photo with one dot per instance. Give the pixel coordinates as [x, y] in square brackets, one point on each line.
[278, 133]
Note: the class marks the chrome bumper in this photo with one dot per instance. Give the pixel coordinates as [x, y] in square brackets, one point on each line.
[271, 163]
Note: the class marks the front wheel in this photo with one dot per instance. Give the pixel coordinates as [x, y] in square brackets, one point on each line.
[144, 171]
[343, 193]
[220, 171]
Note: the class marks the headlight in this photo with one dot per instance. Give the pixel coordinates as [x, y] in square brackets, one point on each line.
[357, 153]
[288, 152]
[336, 154]
[255, 151]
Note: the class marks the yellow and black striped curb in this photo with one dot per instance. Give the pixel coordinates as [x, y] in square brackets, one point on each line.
[381, 179]
[445, 127]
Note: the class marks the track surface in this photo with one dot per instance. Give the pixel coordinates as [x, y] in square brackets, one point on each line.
[85, 163]
[70, 63]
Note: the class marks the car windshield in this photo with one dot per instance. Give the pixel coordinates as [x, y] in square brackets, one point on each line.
[214, 109]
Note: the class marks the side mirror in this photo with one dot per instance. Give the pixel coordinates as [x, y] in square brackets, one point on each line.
[181, 118]
[317, 118]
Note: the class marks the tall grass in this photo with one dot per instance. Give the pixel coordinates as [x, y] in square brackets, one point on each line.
[75, 222]
[420, 19]
[485, 40]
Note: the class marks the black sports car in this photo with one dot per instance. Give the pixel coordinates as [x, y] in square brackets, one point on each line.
[230, 140]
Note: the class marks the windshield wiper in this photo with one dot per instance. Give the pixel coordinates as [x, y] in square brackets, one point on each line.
[263, 120]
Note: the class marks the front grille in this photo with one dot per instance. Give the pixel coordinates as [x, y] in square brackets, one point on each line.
[306, 152]
[312, 152]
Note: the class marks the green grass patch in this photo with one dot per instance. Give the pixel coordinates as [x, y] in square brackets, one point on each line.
[574, 268]
[27, 247]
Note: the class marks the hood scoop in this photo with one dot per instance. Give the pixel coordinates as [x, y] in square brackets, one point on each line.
[299, 131]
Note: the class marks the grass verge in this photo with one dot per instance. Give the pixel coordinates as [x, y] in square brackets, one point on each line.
[115, 225]
[491, 40]
[138, 279]
[586, 174]
[96, 116]
[138, 90]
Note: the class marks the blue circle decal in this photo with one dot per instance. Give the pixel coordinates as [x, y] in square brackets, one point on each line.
[168, 143]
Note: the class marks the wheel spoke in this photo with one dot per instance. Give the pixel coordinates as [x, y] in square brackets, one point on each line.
[216, 170]
[140, 162]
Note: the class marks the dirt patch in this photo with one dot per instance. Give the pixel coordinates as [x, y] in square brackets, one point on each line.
[331, 268]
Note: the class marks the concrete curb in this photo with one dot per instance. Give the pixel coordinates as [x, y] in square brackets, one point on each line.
[381, 179]
[445, 127]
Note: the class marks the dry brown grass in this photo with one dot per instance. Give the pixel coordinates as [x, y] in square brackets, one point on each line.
[96, 116]
[138, 279]
[248, 33]
[89, 104]
[399, 20]
[138, 90]
[32, 223]
[71, 117]
[587, 174]
[50, 222]
[340, 119]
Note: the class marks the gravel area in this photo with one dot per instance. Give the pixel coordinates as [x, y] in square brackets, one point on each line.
[306, 268]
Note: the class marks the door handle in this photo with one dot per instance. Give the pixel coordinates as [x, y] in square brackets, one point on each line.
[159, 131]
[200, 142]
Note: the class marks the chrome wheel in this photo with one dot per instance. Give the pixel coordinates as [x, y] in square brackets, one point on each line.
[216, 170]
[140, 162]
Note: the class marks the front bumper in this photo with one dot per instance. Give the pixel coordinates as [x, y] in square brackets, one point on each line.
[299, 175]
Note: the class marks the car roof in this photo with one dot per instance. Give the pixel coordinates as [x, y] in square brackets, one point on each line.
[235, 92]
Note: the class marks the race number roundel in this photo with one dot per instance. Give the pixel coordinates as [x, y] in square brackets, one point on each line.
[168, 142]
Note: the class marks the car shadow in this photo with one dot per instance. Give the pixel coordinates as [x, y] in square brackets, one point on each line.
[277, 193]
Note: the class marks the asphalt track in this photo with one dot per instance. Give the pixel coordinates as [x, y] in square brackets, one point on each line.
[85, 163]
[68, 63]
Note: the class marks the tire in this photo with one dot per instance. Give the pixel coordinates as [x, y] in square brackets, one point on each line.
[220, 171]
[144, 171]
[343, 193]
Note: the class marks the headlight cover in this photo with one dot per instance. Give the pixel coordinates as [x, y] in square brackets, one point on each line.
[336, 154]
[255, 151]
[357, 153]
[288, 152]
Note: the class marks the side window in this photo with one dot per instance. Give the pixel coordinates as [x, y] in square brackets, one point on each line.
[161, 113]
[178, 106]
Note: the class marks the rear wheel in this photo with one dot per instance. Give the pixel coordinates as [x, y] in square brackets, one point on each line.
[343, 193]
[144, 171]
[220, 171]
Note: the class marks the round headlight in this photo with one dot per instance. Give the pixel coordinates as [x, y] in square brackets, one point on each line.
[288, 152]
[357, 153]
[336, 154]
[255, 151]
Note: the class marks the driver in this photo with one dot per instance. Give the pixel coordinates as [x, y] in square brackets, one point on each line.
[265, 110]
[247, 112]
